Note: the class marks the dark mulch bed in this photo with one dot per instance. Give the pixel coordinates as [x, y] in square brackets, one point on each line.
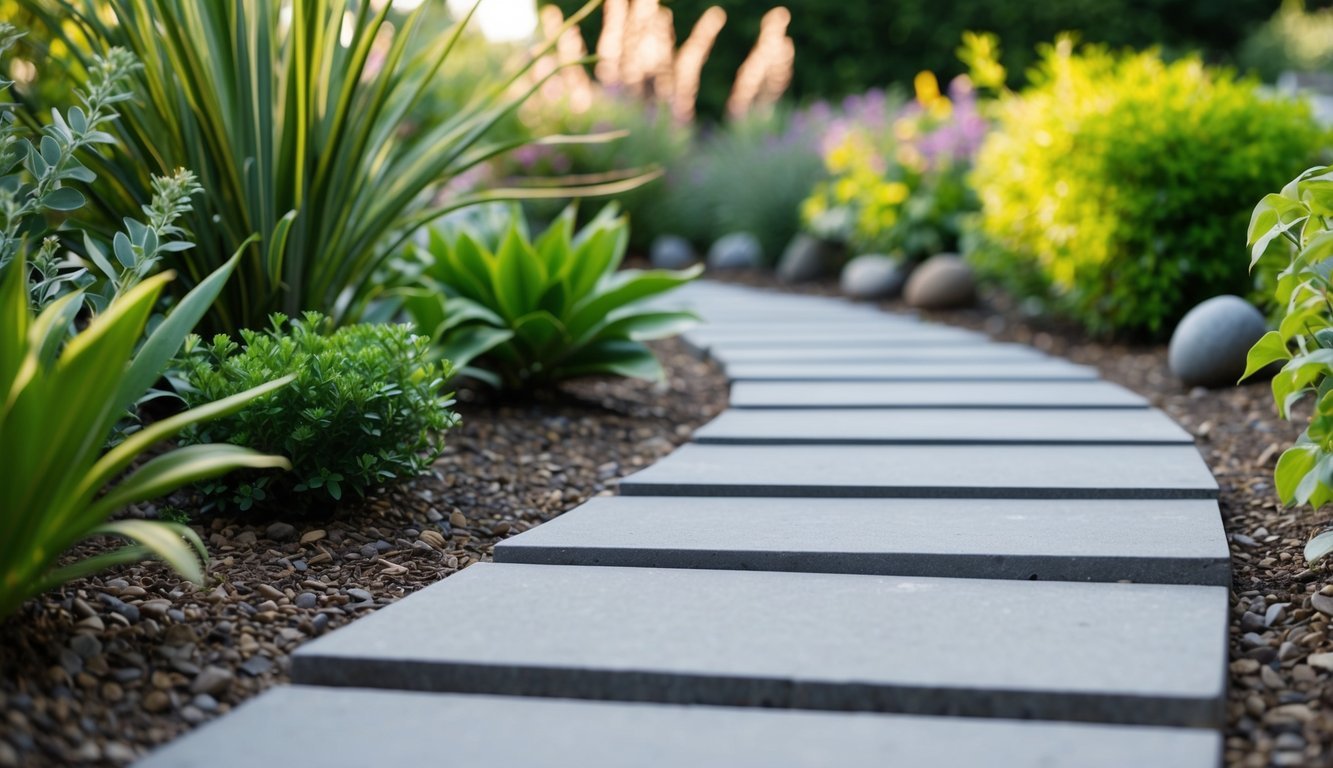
[107, 668]
[1281, 703]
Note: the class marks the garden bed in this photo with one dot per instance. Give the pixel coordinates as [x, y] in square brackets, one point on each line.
[108, 667]
[1278, 715]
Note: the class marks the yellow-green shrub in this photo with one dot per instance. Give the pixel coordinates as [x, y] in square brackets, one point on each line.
[1117, 186]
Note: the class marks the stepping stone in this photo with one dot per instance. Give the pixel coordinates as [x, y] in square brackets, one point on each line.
[1161, 542]
[1038, 370]
[709, 337]
[990, 353]
[1142, 654]
[810, 426]
[930, 471]
[300, 725]
[940, 394]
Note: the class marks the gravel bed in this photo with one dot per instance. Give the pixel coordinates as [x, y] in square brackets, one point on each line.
[110, 666]
[1281, 700]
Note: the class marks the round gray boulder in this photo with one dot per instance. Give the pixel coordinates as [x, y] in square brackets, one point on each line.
[671, 252]
[944, 281]
[738, 250]
[1209, 346]
[872, 276]
[807, 258]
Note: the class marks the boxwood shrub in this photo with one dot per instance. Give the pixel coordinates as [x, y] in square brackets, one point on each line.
[1118, 186]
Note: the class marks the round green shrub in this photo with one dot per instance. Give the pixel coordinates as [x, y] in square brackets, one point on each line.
[364, 411]
[1118, 186]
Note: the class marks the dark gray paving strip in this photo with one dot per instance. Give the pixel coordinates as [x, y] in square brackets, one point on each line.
[875, 471]
[988, 353]
[1115, 653]
[1160, 542]
[941, 426]
[1036, 370]
[940, 394]
[353, 728]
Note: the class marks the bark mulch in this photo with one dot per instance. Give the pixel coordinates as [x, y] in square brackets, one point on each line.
[106, 668]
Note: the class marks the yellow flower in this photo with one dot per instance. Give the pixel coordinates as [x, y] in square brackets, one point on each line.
[845, 190]
[927, 88]
[892, 193]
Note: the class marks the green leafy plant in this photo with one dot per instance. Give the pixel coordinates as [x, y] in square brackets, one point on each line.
[1115, 184]
[523, 314]
[365, 408]
[59, 400]
[63, 389]
[293, 116]
[1294, 229]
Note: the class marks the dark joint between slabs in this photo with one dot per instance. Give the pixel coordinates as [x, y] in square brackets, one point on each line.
[1198, 571]
[933, 441]
[893, 492]
[837, 696]
[937, 407]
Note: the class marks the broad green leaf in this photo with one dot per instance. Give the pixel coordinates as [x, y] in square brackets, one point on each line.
[1292, 467]
[614, 358]
[466, 344]
[180, 467]
[1319, 547]
[1269, 349]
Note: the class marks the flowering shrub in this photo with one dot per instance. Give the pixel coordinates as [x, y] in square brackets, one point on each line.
[898, 187]
[1115, 186]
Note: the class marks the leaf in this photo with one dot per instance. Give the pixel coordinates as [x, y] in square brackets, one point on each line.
[466, 344]
[1295, 463]
[614, 358]
[1317, 548]
[1269, 349]
[180, 467]
[64, 199]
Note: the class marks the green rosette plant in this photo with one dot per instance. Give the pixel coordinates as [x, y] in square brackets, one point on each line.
[1292, 233]
[519, 314]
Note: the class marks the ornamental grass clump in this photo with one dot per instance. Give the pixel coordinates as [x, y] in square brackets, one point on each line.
[522, 314]
[1115, 185]
[365, 409]
[1291, 233]
[301, 120]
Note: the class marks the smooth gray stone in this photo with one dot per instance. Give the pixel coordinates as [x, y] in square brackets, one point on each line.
[1157, 542]
[872, 276]
[944, 281]
[1210, 345]
[738, 250]
[972, 353]
[353, 728]
[938, 370]
[1120, 653]
[940, 394]
[671, 252]
[928, 471]
[941, 426]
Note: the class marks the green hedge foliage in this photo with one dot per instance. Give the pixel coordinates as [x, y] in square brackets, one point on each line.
[1118, 187]
[847, 46]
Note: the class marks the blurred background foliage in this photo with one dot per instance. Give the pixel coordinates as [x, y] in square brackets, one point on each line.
[847, 46]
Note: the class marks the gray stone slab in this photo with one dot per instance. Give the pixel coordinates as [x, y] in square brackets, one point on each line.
[929, 471]
[941, 426]
[939, 394]
[972, 353]
[1159, 542]
[1118, 653]
[1037, 370]
[354, 728]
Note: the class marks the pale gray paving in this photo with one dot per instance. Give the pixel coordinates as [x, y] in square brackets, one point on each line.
[881, 471]
[990, 353]
[941, 426]
[1037, 370]
[1116, 653]
[938, 394]
[354, 728]
[1159, 541]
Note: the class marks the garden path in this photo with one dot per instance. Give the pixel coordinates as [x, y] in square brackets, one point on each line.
[904, 545]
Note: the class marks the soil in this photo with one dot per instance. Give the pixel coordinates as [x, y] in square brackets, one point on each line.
[1280, 709]
[108, 667]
